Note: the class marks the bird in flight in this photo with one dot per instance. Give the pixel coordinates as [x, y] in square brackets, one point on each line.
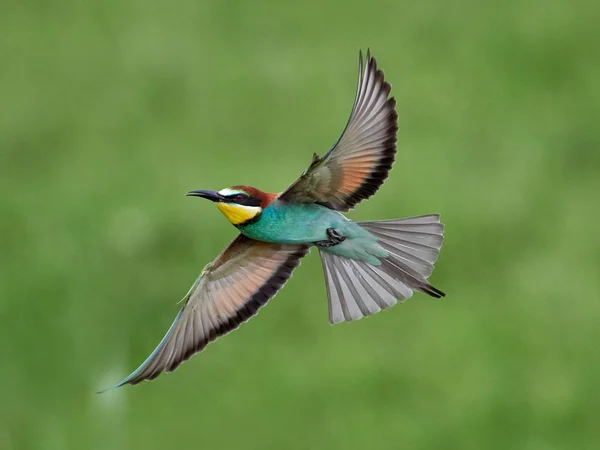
[368, 266]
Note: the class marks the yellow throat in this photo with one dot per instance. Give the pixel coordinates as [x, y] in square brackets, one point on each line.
[237, 214]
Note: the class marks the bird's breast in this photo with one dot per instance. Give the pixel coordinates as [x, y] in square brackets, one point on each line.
[292, 223]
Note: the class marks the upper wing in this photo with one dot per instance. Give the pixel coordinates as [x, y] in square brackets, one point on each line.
[229, 291]
[359, 162]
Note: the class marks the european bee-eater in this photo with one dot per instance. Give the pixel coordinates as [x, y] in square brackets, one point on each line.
[368, 266]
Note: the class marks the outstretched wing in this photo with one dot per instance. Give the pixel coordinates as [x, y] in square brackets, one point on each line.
[359, 162]
[229, 291]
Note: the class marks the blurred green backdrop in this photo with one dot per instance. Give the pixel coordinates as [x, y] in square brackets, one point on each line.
[110, 111]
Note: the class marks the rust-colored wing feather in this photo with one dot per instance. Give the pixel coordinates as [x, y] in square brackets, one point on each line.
[229, 291]
[361, 159]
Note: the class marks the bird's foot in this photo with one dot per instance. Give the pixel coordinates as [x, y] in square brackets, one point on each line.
[334, 239]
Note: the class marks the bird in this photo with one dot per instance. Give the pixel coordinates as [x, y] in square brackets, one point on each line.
[368, 266]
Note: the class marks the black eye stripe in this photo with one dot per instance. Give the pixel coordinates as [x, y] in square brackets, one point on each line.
[241, 199]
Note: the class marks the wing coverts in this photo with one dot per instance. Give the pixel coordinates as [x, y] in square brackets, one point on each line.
[229, 292]
[360, 161]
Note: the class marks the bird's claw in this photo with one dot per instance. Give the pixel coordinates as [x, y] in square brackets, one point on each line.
[334, 239]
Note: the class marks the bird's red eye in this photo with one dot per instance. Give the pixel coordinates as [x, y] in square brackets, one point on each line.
[239, 197]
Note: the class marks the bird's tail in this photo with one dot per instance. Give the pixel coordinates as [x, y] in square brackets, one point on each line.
[357, 289]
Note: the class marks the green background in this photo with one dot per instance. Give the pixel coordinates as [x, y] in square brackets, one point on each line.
[110, 111]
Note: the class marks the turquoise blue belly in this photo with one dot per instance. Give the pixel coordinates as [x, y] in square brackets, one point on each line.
[293, 224]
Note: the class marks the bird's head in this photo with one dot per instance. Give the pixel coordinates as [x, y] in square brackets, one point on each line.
[239, 204]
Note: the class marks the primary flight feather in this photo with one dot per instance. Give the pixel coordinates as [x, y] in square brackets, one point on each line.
[368, 266]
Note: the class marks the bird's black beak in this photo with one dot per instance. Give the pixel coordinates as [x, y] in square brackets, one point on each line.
[209, 195]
